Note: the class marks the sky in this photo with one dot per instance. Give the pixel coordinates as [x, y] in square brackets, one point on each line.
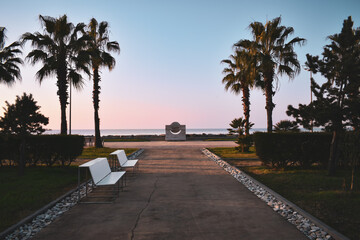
[169, 65]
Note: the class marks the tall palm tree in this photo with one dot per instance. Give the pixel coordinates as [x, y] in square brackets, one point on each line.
[240, 78]
[273, 55]
[60, 50]
[99, 48]
[9, 62]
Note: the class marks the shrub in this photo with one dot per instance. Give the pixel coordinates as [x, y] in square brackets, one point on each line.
[282, 149]
[244, 142]
[43, 149]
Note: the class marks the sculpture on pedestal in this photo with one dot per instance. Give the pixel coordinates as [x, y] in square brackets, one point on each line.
[175, 132]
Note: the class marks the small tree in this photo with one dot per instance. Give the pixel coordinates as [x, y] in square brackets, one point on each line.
[286, 126]
[23, 118]
[238, 128]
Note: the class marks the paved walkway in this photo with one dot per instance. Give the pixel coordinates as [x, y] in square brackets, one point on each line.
[179, 194]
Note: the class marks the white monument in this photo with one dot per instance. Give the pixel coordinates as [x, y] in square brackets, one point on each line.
[175, 132]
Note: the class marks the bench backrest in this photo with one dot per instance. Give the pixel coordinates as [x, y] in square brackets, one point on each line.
[121, 156]
[99, 169]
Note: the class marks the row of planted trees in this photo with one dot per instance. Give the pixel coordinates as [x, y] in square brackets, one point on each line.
[256, 62]
[66, 51]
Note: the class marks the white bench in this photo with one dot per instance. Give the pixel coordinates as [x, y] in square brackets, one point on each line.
[123, 160]
[101, 173]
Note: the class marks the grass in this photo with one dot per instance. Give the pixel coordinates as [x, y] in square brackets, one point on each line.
[232, 153]
[327, 198]
[21, 196]
[221, 139]
[92, 152]
[126, 140]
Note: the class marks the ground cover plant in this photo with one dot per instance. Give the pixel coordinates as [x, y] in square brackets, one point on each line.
[326, 197]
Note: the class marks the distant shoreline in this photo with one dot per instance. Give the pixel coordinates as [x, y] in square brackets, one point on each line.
[146, 132]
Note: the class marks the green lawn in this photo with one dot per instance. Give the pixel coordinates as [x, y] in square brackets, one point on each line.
[327, 198]
[21, 196]
[92, 152]
[232, 153]
[126, 140]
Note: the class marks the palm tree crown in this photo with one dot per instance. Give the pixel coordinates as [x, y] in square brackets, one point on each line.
[99, 47]
[60, 50]
[9, 62]
[273, 56]
[240, 78]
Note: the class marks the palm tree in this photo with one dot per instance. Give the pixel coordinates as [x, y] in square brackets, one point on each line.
[286, 126]
[273, 55]
[239, 78]
[9, 69]
[61, 52]
[99, 47]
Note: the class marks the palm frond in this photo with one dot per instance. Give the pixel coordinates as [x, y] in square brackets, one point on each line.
[113, 47]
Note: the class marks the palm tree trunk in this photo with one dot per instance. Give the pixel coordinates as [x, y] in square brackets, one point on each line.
[96, 92]
[269, 103]
[246, 107]
[63, 95]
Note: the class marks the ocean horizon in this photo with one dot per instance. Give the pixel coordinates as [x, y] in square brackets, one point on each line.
[129, 132]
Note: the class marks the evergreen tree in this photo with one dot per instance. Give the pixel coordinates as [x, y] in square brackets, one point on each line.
[337, 103]
[23, 118]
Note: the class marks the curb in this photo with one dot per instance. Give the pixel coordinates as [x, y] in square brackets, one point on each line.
[335, 234]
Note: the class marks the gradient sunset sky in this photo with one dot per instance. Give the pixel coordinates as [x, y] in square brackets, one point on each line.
[169, 66]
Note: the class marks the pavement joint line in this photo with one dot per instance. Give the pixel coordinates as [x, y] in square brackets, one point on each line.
[229, 168]
[142, 210]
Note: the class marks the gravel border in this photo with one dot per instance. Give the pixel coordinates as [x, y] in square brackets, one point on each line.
[29, 226]
[310, 226]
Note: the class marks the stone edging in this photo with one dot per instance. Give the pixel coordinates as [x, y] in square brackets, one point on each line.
[32, 224]
[135, 154]
[312, 227]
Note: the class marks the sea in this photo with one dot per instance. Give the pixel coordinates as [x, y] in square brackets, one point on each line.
[129, 132]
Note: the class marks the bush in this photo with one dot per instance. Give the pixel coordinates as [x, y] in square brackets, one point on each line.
[43, 149]
[9, 148]
[282, 149]
[244, 142]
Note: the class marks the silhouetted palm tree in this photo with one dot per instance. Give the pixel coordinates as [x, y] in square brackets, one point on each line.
[240, 78]
[9, 62]
[273, 55]
[99, 47]
[286, 126]
[59, 49]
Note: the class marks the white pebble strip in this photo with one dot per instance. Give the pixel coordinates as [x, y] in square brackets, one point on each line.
[302, 223]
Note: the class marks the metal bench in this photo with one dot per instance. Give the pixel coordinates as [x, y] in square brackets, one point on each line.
[123, 161]
[102, 176]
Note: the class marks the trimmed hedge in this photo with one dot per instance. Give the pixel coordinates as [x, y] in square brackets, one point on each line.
[283, 149]
[42, 149]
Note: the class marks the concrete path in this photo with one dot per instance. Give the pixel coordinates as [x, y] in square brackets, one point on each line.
[179, 194]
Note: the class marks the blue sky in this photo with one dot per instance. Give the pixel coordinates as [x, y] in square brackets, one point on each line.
[169, 66]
